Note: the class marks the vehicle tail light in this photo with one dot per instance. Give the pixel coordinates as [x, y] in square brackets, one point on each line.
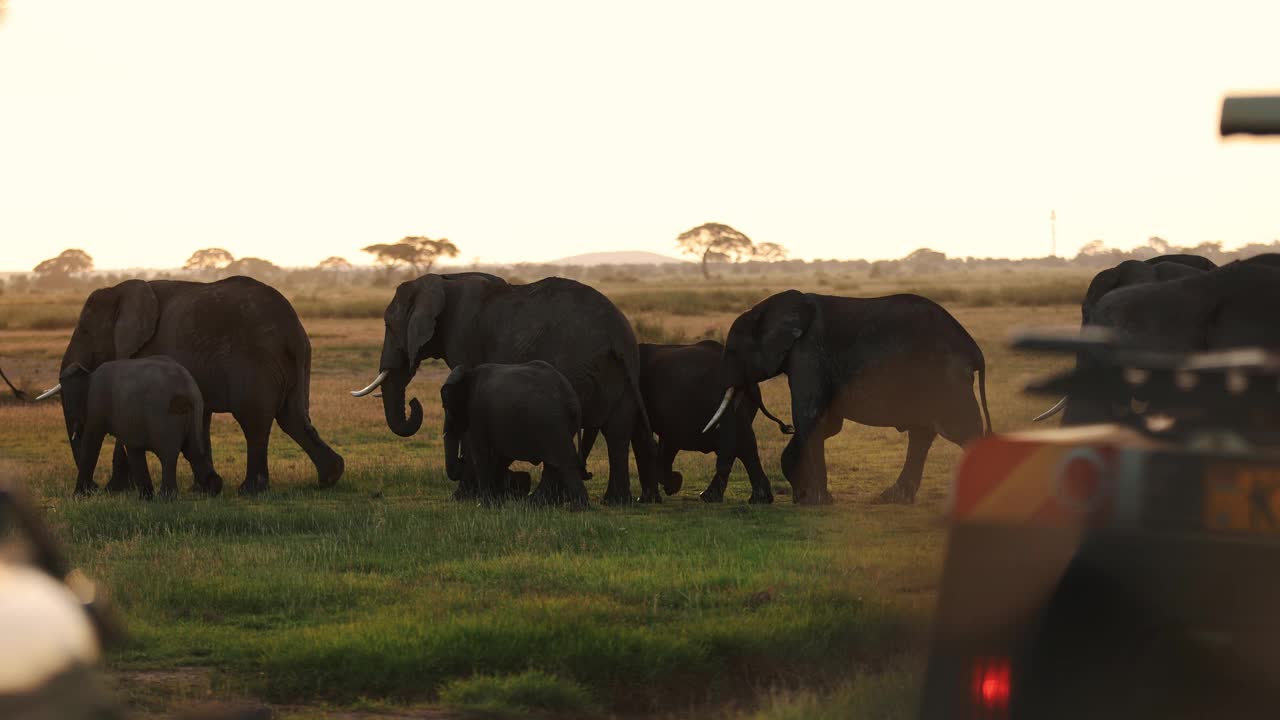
[992, 685]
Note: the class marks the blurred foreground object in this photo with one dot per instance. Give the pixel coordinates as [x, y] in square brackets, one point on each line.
[1250, 115]
[53, 625]
[1122, 570]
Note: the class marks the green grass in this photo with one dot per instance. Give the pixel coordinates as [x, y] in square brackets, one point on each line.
[383, 593]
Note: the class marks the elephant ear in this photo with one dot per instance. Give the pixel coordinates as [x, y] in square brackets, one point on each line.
[453, 398]
[137, 312]
[785, 322]
[420, 318]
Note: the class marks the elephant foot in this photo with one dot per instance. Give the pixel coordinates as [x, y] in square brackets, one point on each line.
[673, 482]
[612, 498]
[651, 496]
[252, 487]
[168, 493]
[820, 497]
[712, 495]
[86, 490]
[211, 485]
[895, 495]
[330, 475]
[146, 494]
[464, 493]
[760, 499]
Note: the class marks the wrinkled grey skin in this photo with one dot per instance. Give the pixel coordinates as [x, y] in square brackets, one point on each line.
[681, 389]
[497, 414]
[148, 404]
[899, 361]
[468, 319]
[1231, 307]
[239, 338]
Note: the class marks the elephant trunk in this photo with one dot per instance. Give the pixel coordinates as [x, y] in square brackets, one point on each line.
[452, 462]
[393, 391]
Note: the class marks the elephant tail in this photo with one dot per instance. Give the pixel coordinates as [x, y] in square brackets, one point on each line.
[16, 392]
[982, 391]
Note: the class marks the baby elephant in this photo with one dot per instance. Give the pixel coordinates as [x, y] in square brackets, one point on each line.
[496, 414]
[149, 403]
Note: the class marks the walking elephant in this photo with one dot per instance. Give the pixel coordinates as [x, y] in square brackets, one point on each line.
[680, 386]
[1230, 307]
[899, 361]
[148, 404]
[474, 318]
[240, 339]
[503, 413]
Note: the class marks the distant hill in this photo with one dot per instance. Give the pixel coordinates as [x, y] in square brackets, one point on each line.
[618, 257]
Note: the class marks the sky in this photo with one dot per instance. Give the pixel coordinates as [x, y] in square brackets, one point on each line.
[141, 131]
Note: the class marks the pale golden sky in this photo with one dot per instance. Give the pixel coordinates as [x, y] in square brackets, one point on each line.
[141, 131]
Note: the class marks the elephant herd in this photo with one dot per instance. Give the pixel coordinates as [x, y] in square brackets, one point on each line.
[541, 370]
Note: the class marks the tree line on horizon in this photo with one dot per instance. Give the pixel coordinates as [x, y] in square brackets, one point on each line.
[710, 245]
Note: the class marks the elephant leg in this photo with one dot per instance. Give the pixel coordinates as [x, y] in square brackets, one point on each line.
[257, 435]
[919, 440]
[296, 424]
[121, 472]
[575, 489]
[490, 470]
[719, 481]
[138, 469]
[646, 453]
[466, 489]
[90, 448]
[749, 454]
[617, 438]
[588, 442]
[169, 475]
[666, 459]
[551, 488]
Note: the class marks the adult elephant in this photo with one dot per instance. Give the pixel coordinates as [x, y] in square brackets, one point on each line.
[474, 318]
[1231, 307]
[898, 361]
[239, 338]
[1127, 274]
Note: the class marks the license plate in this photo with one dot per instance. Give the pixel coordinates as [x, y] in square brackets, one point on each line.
[1242, 498]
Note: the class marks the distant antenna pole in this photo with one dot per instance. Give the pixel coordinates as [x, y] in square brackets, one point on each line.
[1053, 233]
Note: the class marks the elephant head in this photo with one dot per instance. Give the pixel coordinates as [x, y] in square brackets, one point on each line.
[453, 398]
[417, 321]
[760, 341]
[74, 382]
[114, 325]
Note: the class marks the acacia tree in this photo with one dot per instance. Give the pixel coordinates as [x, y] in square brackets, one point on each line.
[252, 267]
[416, 251]
[67, 262]
[715, 242]
[334, 263]
[770, 252]
[208, 259]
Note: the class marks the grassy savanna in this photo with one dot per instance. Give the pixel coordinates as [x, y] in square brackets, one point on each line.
[383, 596]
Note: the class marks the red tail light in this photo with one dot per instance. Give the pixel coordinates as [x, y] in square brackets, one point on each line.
[992, 684]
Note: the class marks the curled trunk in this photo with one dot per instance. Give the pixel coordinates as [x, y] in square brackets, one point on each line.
[393, 406]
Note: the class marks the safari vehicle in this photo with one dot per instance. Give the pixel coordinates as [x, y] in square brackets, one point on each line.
[1126, 570]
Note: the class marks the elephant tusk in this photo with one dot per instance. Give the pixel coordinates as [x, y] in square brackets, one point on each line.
[372, 386]
[50, 392]
[728, 395]
[1052, 411]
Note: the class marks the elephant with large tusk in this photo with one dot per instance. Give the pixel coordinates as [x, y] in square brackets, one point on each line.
[1128, 274]
[473, 318]
[239, 338]
[899, 361]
